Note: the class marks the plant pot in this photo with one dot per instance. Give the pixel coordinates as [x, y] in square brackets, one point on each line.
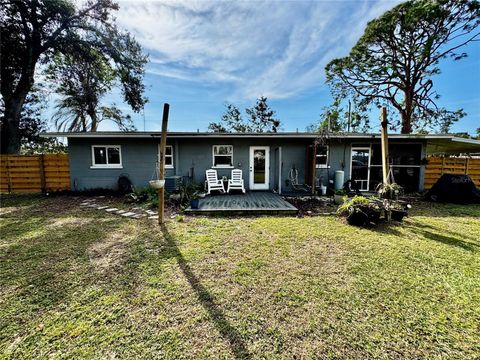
[194, 203]
[357, 218]
[374, 216]
[157, 184]
[398, 215]
[338, 199]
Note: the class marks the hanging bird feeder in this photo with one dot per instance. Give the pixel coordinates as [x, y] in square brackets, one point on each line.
[155, 181]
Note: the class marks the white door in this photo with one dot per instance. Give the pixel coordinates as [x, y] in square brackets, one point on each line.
[360, 167]
[259, 167]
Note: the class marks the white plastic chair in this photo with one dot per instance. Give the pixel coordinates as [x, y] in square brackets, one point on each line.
[236, 182]
[212, 181]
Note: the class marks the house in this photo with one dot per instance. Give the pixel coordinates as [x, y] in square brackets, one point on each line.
[281, 162]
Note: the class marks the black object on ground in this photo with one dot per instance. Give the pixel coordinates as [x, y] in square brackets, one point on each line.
[454, 188]
[124, 184]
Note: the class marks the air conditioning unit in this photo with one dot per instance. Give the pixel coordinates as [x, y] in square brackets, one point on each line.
[172, 183]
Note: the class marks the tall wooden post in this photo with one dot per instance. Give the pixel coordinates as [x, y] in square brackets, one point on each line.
[163, 143]
[385, 165]
[314, 167]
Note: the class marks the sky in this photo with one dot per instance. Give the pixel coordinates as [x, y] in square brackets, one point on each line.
[204, 54]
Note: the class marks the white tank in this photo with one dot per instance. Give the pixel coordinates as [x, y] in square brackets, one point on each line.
[339, 179]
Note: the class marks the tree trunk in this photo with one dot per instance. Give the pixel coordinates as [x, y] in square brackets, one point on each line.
[10, 134]
[406, 123]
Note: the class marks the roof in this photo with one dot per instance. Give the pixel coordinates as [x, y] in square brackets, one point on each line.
[436, 143]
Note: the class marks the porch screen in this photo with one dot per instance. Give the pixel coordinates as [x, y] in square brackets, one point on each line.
[404, 161]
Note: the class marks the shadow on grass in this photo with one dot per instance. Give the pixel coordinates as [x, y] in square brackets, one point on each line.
[427, 232]
[228, 332]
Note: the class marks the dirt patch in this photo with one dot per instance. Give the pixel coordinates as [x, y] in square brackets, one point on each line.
[311, 206]
[109, 253]
[70, 221]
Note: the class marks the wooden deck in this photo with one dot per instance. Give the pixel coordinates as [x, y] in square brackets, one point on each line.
[251, 203]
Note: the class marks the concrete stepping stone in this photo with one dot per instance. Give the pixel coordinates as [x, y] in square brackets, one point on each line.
[138, 216]
[102, 207]
[155, 217]
[111, 210]
[151, 212]
[120, 212]
[128, 214]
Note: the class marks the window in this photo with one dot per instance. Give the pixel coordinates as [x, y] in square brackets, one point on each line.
[168, 156]
[106, 156]
[321, 160]
[222, 156]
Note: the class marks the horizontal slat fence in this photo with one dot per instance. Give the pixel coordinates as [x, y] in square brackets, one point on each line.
[34, 173]
[437, 166]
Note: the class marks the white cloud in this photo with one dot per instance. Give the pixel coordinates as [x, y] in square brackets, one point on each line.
[275, 48]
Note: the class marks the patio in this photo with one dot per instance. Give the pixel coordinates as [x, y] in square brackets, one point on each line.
[257, 203]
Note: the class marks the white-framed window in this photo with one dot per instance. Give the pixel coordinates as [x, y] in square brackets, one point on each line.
[106, 156]
[222, 156]
[321, 158]
[168, 156]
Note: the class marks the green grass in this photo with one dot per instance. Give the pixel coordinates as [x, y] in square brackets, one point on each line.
[77, 282]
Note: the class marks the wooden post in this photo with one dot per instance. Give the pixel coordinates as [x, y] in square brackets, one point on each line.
[385, 165]
[163, 143]
[314, 167]
[43, 183]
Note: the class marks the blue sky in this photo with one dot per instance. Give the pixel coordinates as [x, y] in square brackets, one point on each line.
[204, 54]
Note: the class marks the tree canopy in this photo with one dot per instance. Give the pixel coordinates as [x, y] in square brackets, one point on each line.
[83, 77]
[394, 61]
[260, 118]
[35, 32]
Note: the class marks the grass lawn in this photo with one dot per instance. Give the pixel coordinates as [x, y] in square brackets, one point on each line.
[77, 282]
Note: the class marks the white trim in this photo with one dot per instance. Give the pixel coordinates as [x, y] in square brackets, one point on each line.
[158, 157]
[369, 148]
[266, 184]
[107, 165]
[322, 166]
[213, 157]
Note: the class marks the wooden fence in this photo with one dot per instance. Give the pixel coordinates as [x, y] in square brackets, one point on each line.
[34, 173]
[437, 166]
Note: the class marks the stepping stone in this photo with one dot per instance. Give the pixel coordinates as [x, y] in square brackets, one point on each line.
[136, 208]
[120, 212]
[151, 212]
[128, 214]
[85, 204]
[155, 217]
[111, 210]
[102, 207]
[138, 216]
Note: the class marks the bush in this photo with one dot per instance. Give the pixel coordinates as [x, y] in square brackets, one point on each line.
[360, 211]
[147, 195]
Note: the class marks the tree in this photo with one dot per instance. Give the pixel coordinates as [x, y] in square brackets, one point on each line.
[395, 59]
[231, 121]
[336, 118]
[260, 118]
[84, 77]
[33, 32]
[32, 124]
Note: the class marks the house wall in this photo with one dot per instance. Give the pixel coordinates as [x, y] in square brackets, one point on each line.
[194, 156]
[138, 160]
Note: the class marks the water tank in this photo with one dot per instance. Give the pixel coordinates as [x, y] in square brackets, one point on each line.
[339, 179]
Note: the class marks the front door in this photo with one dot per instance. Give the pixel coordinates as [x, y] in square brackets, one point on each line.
[259, 167]
[360, 167]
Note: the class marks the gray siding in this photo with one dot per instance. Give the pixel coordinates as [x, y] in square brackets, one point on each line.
[194, 156]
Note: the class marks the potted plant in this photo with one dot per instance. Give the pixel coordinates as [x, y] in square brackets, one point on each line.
[389, 191]
[360, 211]
[398, 212]
[195, 201]
[339, 196]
